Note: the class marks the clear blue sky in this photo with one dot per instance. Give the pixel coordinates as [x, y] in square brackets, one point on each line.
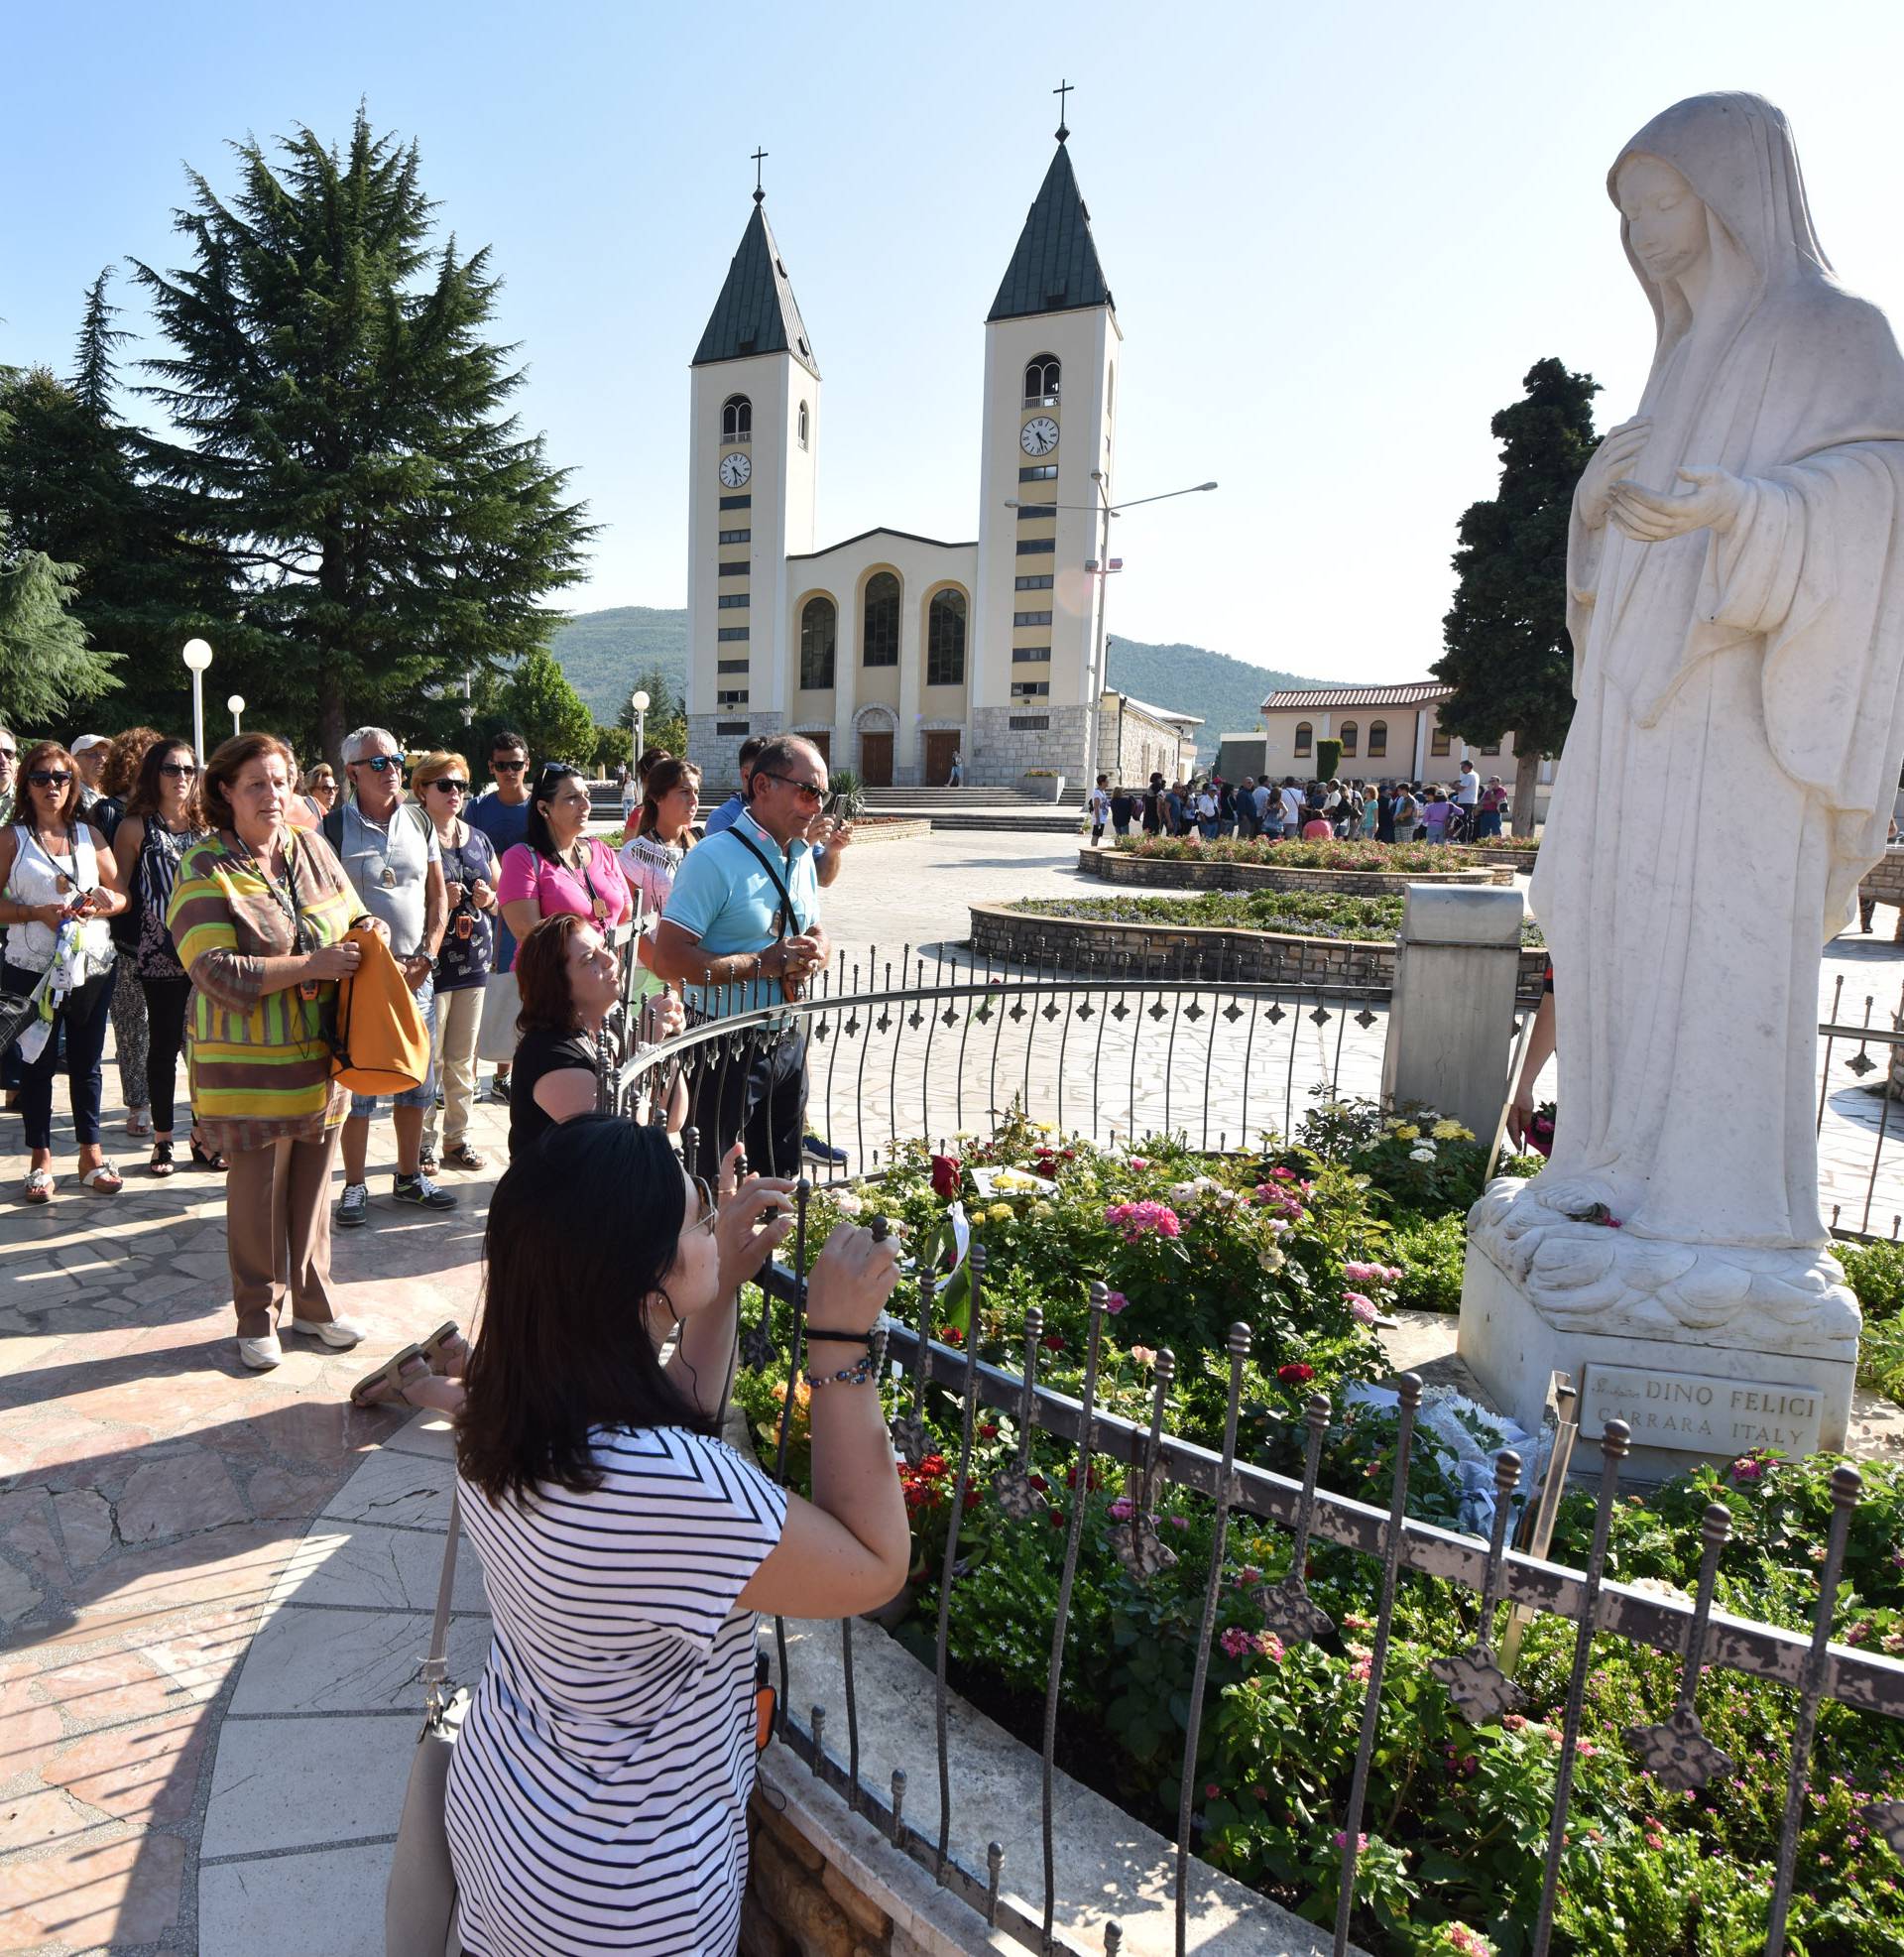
[1338, 237]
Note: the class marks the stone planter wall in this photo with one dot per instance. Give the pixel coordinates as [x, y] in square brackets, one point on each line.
[1113, 866]
[801, 1904]
[890, 828]
[1481, 852]
[1091, 948]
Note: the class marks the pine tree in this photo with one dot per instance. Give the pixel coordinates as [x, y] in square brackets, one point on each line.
[1507, 654]
[548, 712]
[45, 665]
[347, 445]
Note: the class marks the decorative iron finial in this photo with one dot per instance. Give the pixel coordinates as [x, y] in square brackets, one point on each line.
[1064, 90]
[759, 156]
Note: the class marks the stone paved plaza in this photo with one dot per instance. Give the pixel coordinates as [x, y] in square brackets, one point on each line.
[214, 1585]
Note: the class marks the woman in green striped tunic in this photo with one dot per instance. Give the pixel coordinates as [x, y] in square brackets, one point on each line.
[257, 913]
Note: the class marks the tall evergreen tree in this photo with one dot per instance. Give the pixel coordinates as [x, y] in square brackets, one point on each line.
[1507, 654]
[548, 712]
[348, 447]
[45, 665]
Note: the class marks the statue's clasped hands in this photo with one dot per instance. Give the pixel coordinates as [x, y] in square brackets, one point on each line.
[1650, 516]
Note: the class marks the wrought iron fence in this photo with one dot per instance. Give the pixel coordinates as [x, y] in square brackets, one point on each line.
[1861, 1187]
[1674, 1749]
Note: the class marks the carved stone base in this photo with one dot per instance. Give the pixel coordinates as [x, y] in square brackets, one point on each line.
[1706, 1351]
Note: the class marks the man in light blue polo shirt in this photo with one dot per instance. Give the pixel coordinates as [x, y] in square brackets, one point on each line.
[742, 918]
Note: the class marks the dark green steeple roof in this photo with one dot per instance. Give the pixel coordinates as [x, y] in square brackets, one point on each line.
[1054, 268]
[756, 312]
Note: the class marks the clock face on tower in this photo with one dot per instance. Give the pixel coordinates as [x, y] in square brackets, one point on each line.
[1039, 436]
[735, 468]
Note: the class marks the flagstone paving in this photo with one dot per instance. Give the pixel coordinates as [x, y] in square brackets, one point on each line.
[163, 1514]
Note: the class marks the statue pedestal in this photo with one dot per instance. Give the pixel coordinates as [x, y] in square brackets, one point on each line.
[1705, 1350]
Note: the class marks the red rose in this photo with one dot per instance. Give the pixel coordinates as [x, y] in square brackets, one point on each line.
[945, 1177]
[1295, 1374]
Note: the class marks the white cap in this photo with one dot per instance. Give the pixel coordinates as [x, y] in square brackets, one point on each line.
[86, 741]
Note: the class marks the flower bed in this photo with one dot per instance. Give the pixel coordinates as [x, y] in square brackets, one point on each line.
[1306, 913]
[1341, 855]
[1297, 1242]
[1183, 863]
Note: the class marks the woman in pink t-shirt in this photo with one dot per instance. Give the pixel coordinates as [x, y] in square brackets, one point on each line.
[558, 868]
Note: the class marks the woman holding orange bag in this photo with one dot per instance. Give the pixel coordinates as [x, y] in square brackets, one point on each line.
[257, 914]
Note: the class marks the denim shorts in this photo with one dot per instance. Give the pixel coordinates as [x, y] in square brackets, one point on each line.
[364, 1106]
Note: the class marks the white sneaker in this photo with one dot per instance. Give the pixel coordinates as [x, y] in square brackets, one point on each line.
[261, 1355]
[341, 1332]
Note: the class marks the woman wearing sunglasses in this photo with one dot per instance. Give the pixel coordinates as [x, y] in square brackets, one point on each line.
[59, 885]
[441, 785]
[559, 867]
[318, 791]
[599, 1795]
[162, 818]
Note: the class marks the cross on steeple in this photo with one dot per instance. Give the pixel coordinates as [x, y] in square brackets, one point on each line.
[758, 158]
[1064, 90]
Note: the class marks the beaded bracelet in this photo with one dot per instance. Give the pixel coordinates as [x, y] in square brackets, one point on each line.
[856, 1375]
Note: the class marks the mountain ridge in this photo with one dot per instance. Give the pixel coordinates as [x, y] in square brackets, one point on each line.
[602, 652]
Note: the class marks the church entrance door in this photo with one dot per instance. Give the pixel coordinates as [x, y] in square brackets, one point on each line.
[824, 742]
[941, 744]
[876, 760]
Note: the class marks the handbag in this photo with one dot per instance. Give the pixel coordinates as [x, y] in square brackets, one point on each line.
[496, 1030]
[420, 1899]
[381, 1042]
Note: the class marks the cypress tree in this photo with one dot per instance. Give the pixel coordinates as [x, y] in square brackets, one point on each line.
[1507, 654]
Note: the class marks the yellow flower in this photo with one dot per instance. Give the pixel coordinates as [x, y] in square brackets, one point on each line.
[999, 1213]
[1046, 1127]
[1450, 1131]
[1407, 1132]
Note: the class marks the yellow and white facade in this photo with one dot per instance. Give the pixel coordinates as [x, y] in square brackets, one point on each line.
[892, 650]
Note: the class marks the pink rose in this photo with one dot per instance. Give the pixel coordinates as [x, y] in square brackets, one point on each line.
[1364, 1308]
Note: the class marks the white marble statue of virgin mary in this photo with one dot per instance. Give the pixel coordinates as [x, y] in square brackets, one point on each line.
[1736, 605]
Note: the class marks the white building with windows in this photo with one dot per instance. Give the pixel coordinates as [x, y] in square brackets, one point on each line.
[892, 651]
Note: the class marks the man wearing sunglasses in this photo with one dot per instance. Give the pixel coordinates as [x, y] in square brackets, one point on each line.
[9, 765]
[391, 855]
[503, 816]
[742, 922]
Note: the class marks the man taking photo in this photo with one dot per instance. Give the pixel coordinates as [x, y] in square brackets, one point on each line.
[742, 923]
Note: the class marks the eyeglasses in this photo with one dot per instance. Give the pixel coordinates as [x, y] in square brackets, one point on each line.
[507, 767]
[48, 777]
[176, 768]
[709, 1215]
[805, 788]
[380, 764]
[449, 787]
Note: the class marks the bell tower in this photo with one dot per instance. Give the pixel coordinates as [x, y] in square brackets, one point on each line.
[1051, 352]
[753, 469]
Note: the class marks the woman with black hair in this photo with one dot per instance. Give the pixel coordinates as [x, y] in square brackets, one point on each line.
[558, 867]
[598, 1800]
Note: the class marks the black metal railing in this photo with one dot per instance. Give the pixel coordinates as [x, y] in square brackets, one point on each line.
[1701, 1635]
[1861, 1191]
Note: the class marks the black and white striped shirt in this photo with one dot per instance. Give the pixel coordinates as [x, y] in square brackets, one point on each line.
[598, 1800]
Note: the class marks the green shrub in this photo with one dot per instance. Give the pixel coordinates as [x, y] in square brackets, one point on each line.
[1431, 1251]
[1875, 1271]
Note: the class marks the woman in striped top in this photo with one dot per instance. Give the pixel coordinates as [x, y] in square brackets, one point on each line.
[257, 913]
[598, 1800]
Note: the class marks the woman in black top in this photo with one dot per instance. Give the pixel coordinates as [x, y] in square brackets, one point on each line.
[567, 980]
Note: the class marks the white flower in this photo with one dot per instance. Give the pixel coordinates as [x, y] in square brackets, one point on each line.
[847, 1203]
[1426, 1153]
[1271, 1259]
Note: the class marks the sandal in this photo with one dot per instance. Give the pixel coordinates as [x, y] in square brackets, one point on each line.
[202, 1158]
[39, 1185]
[137, 1123]
[386, 1384]
[426, 1163]
[463, 1156]
[160, 1163]
[105, 1181]
[445, 1348]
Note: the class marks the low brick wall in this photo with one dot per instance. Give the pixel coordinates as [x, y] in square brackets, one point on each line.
[890, 828]
[1481, 852]
[1116, 866]
[800, 1903]
[1091, 948]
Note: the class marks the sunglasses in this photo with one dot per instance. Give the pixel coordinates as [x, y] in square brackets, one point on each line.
[709, 1215]
[48, 777]
[507, 767]
[805, 789]
[176, 768]
[450, 787]
[380, 764]
[7, 754]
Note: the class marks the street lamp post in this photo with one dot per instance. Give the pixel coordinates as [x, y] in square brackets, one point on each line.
[1100, 567]
[197, 656]
[469, 705]
[640, 702]
[236, 705]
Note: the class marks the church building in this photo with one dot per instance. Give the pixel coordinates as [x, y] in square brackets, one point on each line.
[890, 651]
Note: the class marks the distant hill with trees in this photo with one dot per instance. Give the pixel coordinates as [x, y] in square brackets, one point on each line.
[604, 652]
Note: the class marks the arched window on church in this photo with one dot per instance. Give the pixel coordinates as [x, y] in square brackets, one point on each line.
[879, 628]
[1349, 731]
[1377, 740]
[945, 640]
[802, 423]
[737, 418]
[1305, 737]
[1041, 381]
[820, 636]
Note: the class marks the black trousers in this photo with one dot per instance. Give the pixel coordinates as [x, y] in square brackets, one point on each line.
[84, 1018]
[758, 1097]
[166, 1001]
